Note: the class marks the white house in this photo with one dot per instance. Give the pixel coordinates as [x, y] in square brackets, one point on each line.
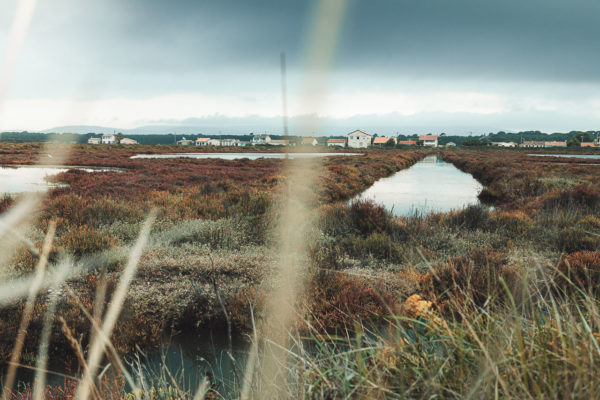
[261, 139]
[505, 144]
[532, 143]
[336, 142]
[230, 142]
[429, 140]
[185, 142]
[94, 140]
[359, 139]
[214, 142]
[202, 141]
[309, 141]
[280, 142]
[128, 141]
[109, 139]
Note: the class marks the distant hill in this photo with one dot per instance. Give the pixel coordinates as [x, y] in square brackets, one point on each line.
[81, 129]
[151, 130]
[142, 130]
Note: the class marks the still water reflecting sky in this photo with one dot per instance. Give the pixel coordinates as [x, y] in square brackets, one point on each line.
[591, 156]
[33, 179]
[26, 179]
[429, 185]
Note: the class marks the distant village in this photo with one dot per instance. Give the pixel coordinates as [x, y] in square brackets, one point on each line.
[357, 139]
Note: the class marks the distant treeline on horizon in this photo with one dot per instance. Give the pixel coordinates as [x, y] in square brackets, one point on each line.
[171, 139]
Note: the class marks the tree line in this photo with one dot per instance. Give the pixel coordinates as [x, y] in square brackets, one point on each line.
[573, 138]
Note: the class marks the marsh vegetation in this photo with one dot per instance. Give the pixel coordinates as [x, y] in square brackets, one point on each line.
[475, 302]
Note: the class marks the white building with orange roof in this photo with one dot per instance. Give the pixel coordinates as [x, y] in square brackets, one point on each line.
[429, 140]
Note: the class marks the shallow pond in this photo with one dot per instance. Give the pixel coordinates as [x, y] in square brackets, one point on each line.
[191, 357]
[239, 156]
[430, 185]
[20, 179]
[589, 156]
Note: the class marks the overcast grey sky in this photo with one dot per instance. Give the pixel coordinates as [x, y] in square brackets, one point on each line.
[430, 65]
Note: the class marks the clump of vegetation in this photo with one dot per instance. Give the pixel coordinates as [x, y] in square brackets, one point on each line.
[477, 279]
[579, 271]
[575, 239]
[85, 240]
[472, 217]
[6, 202]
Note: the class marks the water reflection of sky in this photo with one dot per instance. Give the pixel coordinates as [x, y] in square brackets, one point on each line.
[591, 156]
[33, 179]
[26, 179]
[429, 185]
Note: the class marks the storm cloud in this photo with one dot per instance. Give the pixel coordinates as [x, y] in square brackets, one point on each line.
[537, 50]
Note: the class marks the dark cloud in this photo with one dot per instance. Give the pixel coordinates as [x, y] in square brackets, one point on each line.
[179, 44]
[508, 39]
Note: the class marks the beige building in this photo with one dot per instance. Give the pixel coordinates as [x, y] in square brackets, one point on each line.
[382, 141]
[128, 141]
[109, 139]
[359, 139]
[309, 141]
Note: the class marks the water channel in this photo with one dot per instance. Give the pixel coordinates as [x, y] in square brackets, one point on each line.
[20, 179]
[585, 156]
[431, 185]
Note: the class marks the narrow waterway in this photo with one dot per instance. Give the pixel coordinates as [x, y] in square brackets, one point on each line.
[431, 185]
[584, 156]
[21, 179]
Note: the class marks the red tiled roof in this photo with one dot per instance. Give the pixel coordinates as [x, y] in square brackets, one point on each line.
[381, 140]
[428, 137]
[336, 141]
[407, 142]
[588, 144]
